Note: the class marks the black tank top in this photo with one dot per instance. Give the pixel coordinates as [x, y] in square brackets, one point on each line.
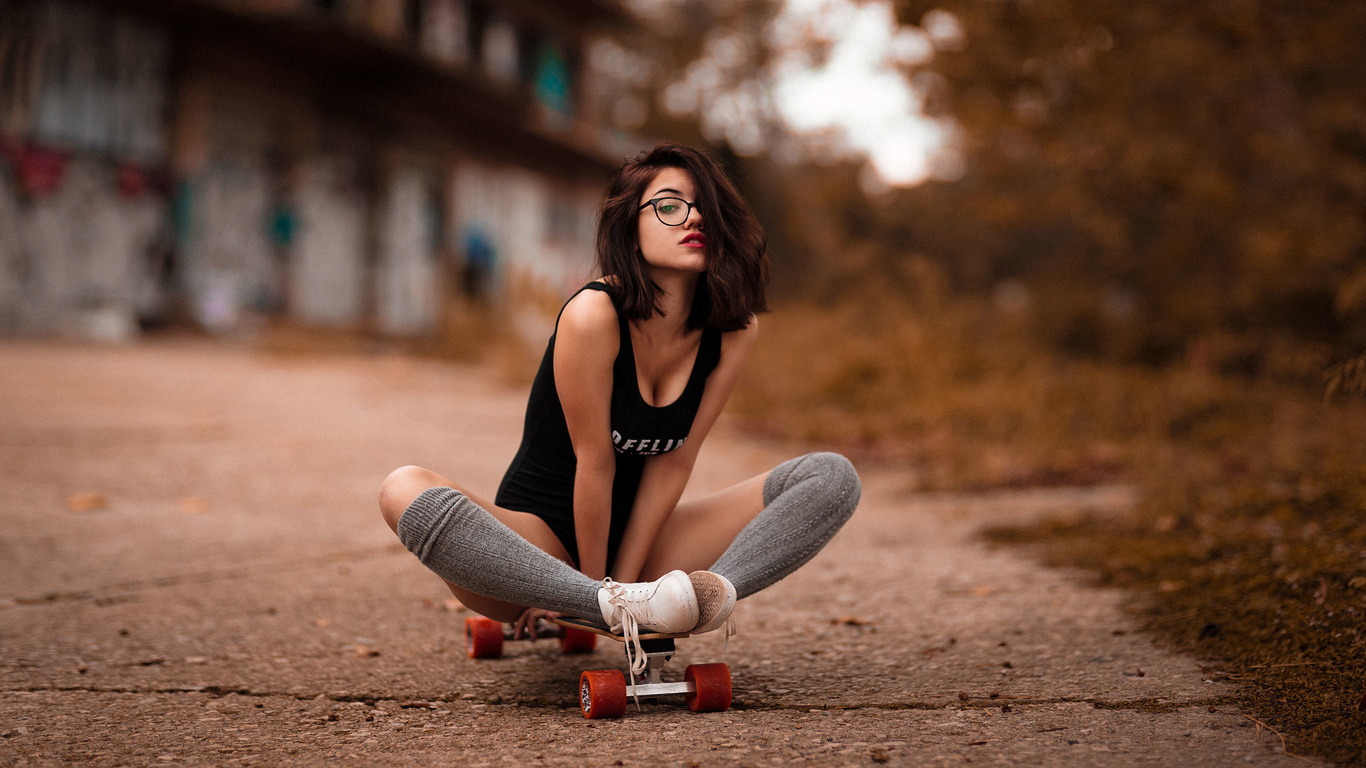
[541, 478]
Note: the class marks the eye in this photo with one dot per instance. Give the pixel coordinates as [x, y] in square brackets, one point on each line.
[668, 206]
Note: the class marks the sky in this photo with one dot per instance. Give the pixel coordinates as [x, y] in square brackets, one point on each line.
[837, 81]
[858, 91]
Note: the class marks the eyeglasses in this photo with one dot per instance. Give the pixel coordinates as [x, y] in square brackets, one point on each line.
[671, 211]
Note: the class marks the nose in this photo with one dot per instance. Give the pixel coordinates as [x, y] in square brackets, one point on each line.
[694, 219]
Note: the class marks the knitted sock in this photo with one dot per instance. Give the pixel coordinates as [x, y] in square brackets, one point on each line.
[806, 501]
[465, 545]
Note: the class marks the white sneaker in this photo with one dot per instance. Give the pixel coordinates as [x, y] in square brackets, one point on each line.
[666, 604]
[715, 602]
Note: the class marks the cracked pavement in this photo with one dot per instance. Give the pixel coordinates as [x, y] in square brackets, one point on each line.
[230, 596]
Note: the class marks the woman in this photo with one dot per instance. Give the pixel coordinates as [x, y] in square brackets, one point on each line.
[587, 521]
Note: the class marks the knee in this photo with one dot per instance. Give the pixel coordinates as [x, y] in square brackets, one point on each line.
[399, 489]
[832, 475]
[840, 476]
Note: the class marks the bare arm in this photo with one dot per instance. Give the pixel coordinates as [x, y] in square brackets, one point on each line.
[586, 344]
[666, 475]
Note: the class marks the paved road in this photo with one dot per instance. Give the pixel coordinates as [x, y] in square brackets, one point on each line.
[236, 600]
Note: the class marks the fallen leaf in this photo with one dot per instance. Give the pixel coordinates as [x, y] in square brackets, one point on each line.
[86, 502]
[193, 505]
[880, 756]
[852, 621]
[365, 653]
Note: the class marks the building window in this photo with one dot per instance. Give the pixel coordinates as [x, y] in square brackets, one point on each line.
[500, 50]
[445, 33]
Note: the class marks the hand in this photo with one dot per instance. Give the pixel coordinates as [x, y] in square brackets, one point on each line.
[527, 622]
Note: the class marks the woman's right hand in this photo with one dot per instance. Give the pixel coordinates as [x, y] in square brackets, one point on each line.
[526, 623]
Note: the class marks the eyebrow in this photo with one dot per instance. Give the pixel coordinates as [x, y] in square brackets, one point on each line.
[662, 191]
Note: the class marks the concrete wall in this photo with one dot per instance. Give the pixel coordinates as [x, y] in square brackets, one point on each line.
[271, 203]
[77, 259]
[407, 278]
[11, 256]
[328, 258]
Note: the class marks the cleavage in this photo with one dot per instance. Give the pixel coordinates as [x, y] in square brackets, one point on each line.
[669, 371]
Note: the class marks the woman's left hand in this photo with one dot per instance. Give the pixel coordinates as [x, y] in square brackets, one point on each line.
[526, 623]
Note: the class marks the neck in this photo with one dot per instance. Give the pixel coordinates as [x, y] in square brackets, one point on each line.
[677, 290]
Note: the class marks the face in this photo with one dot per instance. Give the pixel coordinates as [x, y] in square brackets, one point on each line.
[680, 248]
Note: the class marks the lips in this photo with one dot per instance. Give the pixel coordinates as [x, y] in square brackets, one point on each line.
[695, 237]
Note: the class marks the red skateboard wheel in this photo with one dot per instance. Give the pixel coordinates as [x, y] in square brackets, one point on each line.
[483, 637]
[602, 693]
[712, 683]
[577, 640]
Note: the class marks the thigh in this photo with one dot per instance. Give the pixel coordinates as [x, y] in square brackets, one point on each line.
[700, 530]
[407, 483]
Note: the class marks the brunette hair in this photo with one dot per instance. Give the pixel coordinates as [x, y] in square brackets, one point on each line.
[734, 287]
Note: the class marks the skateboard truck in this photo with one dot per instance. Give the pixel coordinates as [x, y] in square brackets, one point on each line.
[657, 654]
[604, 692]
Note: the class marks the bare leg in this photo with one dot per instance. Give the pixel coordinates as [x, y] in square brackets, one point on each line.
[763, 529]
[407, 483]
[700, 530]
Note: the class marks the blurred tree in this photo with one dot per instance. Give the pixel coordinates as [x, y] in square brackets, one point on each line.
[1188, 166]
[1143, 175]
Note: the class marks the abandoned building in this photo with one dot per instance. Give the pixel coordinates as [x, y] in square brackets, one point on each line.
[347, 163]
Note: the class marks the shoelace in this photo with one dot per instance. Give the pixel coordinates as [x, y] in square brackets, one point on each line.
[731, 628]
[629, 627]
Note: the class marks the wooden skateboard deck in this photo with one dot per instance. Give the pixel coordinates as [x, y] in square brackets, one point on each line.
[599, 629]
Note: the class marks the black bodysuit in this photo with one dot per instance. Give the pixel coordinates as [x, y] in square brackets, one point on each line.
[541, 478]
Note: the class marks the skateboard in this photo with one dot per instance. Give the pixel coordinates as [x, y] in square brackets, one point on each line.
[603, 692]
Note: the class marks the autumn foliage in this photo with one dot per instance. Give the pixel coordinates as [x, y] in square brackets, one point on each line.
[1153, 174]
[1153, 271]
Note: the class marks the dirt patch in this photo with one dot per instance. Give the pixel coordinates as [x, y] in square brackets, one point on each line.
[1270, 588]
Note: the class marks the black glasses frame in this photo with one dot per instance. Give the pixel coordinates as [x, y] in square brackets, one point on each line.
[655, 203]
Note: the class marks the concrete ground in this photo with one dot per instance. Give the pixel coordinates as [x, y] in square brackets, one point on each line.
[193, 570]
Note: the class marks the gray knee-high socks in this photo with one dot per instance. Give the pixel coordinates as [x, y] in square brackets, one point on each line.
[806, 501]
[465, 545]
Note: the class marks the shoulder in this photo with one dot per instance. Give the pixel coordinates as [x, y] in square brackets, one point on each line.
[735, 345]
[590, 316]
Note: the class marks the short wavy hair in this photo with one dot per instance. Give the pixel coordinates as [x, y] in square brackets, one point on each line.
[734, 287]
